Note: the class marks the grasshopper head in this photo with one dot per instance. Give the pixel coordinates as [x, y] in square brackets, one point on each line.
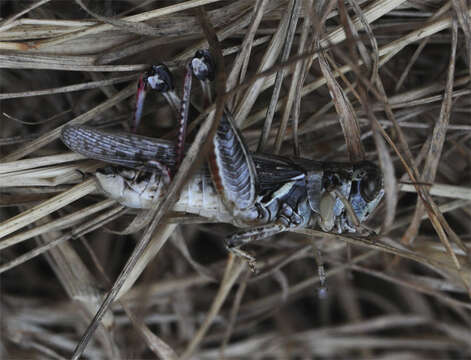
[361, 186]
[366, 191]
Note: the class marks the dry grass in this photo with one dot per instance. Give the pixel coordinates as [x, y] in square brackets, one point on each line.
[386, 80]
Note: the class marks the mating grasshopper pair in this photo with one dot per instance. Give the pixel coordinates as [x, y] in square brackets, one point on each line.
[264, 194]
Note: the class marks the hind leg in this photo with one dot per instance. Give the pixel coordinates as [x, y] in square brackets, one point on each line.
[237, 240]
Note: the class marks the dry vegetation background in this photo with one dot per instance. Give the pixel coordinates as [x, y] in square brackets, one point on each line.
[386, 80]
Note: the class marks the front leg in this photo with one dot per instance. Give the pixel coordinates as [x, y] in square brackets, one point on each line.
[278, 217]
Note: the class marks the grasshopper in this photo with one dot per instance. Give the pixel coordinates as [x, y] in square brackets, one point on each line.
[261, 193]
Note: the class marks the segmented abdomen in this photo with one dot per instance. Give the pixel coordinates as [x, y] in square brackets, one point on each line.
[199, 197]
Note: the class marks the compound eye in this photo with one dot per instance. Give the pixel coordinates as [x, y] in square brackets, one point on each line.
[370, 185]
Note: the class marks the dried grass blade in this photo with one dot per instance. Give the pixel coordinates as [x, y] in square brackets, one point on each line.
[462, 13]
[139, 28]
[375, 245]
[32, 62]
[70, 88]
[290, 30]
[239, 66]
[295, 92]
[78, 282]
[159, 347]
[446, 207]
[438, 140]
[91, 225]
[347, 117]
[47, 176]
[445, 8]
[415, 286]
[235, 310]
[178, 241]
[236, 26]
[386, 52]
[54, 134]
[371, 13]
[12, 18]
[63, 222]
[232, 272]
[32, 163]
[445, 190]
[390, 181]
[269, 58]
[159, 238]
[142, 219]
[37, 212]
[134, 18]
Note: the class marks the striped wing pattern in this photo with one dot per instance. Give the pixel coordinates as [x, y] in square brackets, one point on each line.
[123, 149]
[232, 167]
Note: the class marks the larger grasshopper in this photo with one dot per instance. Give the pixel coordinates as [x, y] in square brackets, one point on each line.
[263, 194]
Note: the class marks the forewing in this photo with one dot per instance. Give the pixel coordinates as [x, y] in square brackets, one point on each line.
[232, 167]
[118, 148]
